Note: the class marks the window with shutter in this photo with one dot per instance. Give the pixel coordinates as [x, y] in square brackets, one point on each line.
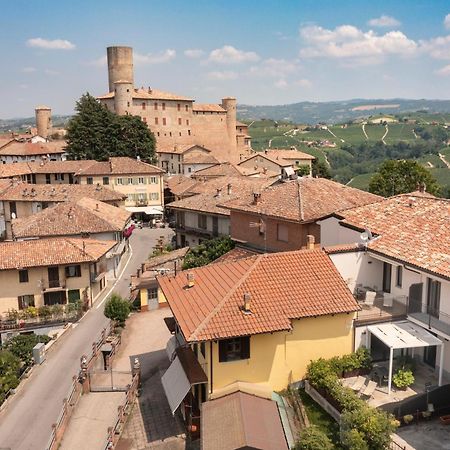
[234, 349]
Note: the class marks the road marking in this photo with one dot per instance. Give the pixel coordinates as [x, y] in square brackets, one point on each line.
[118, 278]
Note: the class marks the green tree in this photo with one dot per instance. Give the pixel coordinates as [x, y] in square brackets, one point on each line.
[94, 132]
[22, 345]
[9, 373]
[117, 309]
[320, 169]
[312, 438]
[207, 252]
[401, 176]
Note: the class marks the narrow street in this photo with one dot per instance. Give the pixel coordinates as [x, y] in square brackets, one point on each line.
[26, 422]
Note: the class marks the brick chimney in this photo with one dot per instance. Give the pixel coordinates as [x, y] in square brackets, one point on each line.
[246, 308]
[310, 241]
[190, 279]
[256, 198]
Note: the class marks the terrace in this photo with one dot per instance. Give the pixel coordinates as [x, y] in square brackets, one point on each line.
[381, 310]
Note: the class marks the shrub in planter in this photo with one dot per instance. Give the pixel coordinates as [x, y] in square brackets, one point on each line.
[312, 438]
[57, 310]
[364, 359]
[408, 419]
[31, 312]
[354, 440]
[44, 312]
[403, 378]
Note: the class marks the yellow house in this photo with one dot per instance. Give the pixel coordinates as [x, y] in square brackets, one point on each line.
[51, 271]
[260, 319]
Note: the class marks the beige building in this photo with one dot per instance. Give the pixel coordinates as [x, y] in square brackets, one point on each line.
[51, 271]
[142, 183]
[174, 119]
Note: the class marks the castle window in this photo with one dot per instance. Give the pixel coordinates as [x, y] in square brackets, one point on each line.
[179, 107]
[187, 107]
[128, 90]
[143, 105]
[179, 120]
[179, 133]
[156, 106]
[163, 106]
[156, 122]
[187, 122]
[128, 104]
[170, 134]
[164, 120]
[189, 132]
[157, 133]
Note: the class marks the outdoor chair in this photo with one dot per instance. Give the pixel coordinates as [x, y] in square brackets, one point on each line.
[358, 384]
[370, 298]
[369, 389]
[388, 300]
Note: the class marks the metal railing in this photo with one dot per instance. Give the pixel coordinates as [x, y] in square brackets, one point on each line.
[430, 316]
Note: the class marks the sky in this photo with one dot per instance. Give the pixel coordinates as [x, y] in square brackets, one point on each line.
[263, 52]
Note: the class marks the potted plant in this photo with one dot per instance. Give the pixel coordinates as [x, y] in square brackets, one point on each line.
[408, 419]
[403, 378]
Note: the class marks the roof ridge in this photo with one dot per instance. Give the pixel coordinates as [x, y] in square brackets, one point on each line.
[219, 306]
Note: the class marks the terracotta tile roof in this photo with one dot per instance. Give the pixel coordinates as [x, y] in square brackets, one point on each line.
[179, 185]
[24, 168]
[241, 421]
[219, 170]
[210, 107]
[207, 199]
[49, 252]
[4, 185]
[200, 158]
[14, 170]
[412, 228]
[16, 148]
[283, 287]
[281, 162]
[72, 218]
[154, 94]
[56, 192]
[235, 255]
[343, 248]
[241, 124]
[120, 165]
[179, 149]
[287, 154]
[305, 199]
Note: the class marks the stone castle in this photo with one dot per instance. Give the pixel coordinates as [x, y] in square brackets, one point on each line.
[174, 119]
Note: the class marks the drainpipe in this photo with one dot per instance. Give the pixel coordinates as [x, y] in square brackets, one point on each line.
[211, 365]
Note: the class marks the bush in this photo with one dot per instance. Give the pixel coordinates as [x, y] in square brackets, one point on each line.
[312, 438]
[403, 378]
[44, 312]
[9, 373]
[22, 345]
[207, 251]
[117, 309]
[354, 439]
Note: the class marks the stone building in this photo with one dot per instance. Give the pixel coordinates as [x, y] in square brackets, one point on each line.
[174, 119]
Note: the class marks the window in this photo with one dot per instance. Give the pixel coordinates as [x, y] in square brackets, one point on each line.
[130, 180]
[282, 232]
[163, 105]
[119, 181]
[143, 105]
[164, 121]
[156, 121]
[105, 180]
[187, 122]
[387, 275]
[189, 132]
[73, 271]
[178, 107]
[59, 177]
[186, 107]
[141, 180]
[203, 349]
[23, 276]
[156, 106]
[189, 169]
[399, 276]
[433, 297]
[202, 221]
[234, 349]
[89, 180]
[154, 196]
[25, 301]
[153, 180]
[152, 293]
[73, 295]
[13, 209]
[179, 120]
[47, 178]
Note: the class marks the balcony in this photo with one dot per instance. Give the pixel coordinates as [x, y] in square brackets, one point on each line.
[429, 317]
[195, 231]
[380, 312]
[54, 285]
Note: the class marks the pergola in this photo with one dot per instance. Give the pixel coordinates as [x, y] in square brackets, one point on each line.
[405, 334]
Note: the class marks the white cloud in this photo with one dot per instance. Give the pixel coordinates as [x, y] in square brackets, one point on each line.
[303, 82]
[155, 58]
[222, 75]
[231, 55]
[447, 21]
[194, 53]
[384, 21]
[444, 71]
[281, 83]
[438, 48]
[353, 46]
[273, 67]
[29, 69]
[56, 44]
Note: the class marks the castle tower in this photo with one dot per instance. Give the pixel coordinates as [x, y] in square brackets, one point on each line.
[43, 120]
[229, 104]
[120, 65]
[123, 97]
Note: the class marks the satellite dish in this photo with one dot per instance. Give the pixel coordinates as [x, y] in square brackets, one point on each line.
[13, 215]
[366, 236]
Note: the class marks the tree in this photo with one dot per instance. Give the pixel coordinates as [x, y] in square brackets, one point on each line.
[320, 169]
[312, 438]
[401, 176]
[97, 133]
[9, 373]
[22, 346]
[117, 309]
[207, 252]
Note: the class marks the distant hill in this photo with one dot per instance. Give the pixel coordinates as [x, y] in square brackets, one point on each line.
[23, 123]
[340, 111]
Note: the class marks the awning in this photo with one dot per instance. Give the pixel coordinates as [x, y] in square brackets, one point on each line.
[184, 372]
[289, 171]
[176, 384]
[405, 334]
[150, 210]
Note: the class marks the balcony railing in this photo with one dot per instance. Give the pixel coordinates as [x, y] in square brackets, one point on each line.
[54, 284]
[380, 312]
[430, 317]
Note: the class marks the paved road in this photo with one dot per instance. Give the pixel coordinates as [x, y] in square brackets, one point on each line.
[26, 422]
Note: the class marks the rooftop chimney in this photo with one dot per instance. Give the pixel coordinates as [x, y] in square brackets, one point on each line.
[96, 207]
[256, 197]
[247, 303]
[218, 192]
[310, 241]
[411, 201]
[190, 279]
[422, 187]
[229, 188]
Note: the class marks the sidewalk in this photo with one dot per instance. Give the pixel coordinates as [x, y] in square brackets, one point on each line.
[151, 424]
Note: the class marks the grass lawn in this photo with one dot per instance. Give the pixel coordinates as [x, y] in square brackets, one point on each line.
[319, 417]
[361, 181]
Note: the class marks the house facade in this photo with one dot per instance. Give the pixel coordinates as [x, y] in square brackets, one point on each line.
[52, 271]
